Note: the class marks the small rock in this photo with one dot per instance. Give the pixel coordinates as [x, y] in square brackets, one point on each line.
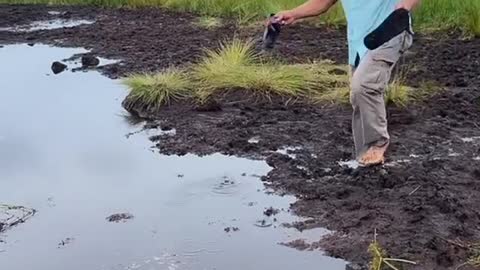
[58, 67]
[271, 212]
[31, 44]
[90, 61]
[122, 217]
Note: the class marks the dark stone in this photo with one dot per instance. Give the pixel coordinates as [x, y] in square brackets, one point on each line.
[90, 61]
[58, 67]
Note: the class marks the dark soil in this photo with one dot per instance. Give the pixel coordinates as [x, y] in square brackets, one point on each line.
[423, 202]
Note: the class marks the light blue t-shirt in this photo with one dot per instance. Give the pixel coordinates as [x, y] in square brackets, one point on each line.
[363, 16]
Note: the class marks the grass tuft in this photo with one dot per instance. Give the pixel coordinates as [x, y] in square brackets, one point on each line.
[158, 89]
[237, 66]
[475, 257]
[397, 92]
[380, 261]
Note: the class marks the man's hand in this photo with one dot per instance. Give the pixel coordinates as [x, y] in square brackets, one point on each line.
[308, 9]
[407, 4]
[283, 17]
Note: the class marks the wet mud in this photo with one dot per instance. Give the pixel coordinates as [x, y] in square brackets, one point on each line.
[423, 202]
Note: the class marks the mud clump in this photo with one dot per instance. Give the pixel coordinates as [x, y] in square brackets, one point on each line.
[231, 229]
[58, 67]
[90, 61]
[299, 244]
[271, 211]
[122, 217]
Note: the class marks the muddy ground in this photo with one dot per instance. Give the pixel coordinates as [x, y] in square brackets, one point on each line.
[423, 203]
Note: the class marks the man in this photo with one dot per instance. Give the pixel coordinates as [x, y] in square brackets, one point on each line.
[371, 69]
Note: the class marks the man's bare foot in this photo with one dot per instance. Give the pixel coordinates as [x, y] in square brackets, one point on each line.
[375, 155]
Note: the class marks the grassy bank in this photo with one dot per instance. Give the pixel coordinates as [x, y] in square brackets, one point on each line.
[236, 66]
[432, 14]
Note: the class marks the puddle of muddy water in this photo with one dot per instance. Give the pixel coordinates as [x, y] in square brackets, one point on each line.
[64, 152]
[46, 25]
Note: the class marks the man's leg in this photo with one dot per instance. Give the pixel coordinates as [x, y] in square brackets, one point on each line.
[357, 126]
[369, 83]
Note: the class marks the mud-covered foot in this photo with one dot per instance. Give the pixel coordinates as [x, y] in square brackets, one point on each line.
[375, 155]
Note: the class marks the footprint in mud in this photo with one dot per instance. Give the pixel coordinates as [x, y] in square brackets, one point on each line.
[122, 217]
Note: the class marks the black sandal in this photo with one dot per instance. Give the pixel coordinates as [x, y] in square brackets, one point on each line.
[395, 24]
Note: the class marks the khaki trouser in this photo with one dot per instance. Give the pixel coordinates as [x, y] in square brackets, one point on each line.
[368, 84]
